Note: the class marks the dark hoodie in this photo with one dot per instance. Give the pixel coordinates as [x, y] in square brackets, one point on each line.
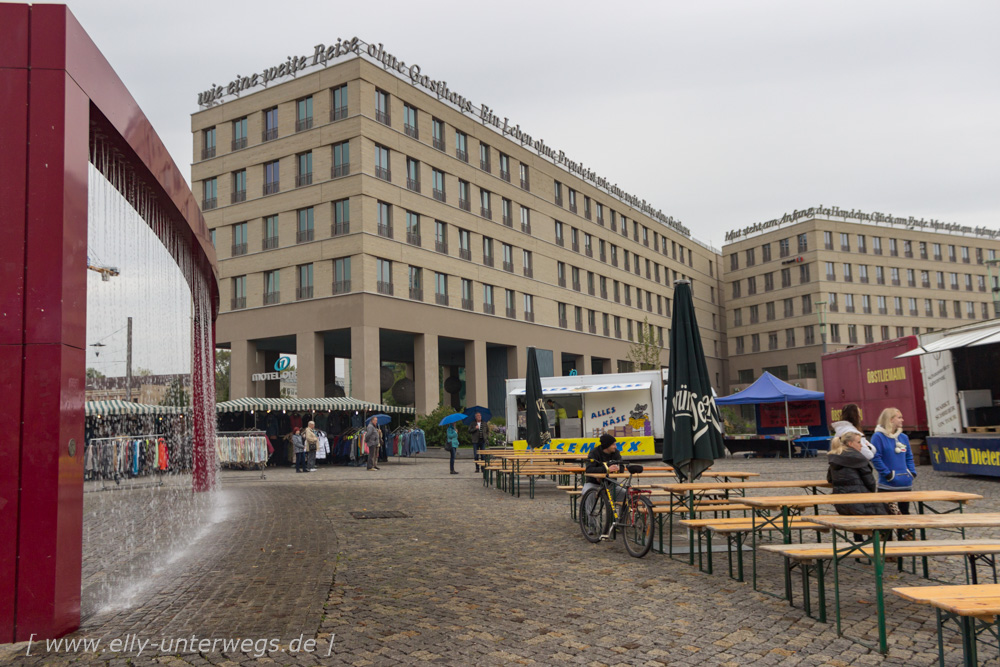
[850, 472]
[597, 460]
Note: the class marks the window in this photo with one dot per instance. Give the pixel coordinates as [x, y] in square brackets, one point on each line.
[208, 143]
[893, 247]
[410, 121]
[574, 237]
[464, 200]
[270, 232]
[847, 273]
[880, 275]
[803, 274]
[772, 340]
[835, 333]
[341, 159]
[560, 240]
[509, 303]
[461, 146]
[485, 209]
[965, 255]
[736, 289]
[270, 124]
[437, 183]
[416, 283]
[937, 252]
[561, 309]
[862, 247]
[561, 274]
[789, 337]
[572, 204]
[970, 312]
[338, 106]
[489, 305]
[384, 219]
[852, 333]
[968, 282]
[305, 231]
[786, 277]
[304, 114]
[383, 268]
[505, 167]
[954, 281]
[240, 239]
[412, 228]
[588, 250]
[441, 237]
[738, 317]
[508, 257]
[923, 250]
[557, 189]
[750, 257]
[239, 293]
[789, 305]
[751, 285]
[412, 174]
[437, 130]
[382, 163]
[803, 242]
[600, 214]
[614, 254]
[845, 242]
[808, 338]
[831, 273]
[928, 308]
[305, 288]
[740, 346]
[754, 314]
[765, 253]
[239, 186]
[465, 244]
[484, 157]
[467, 294]
[487, 251]
[211, 194]
[342, 275]
[734, 261]
[869, 334]
[341, 217]
[272, 177]
[832, 302]
[866, 304]
[529, 307]
[524, 177]
[272, 287]
[913, 306]
[305, 166]
[382, 107]
[769, 307]
[529, 270]
[441, 288]
[863, 273]
[526, 220]
[240, 133]
[586, 210]
[783, 250]
[768, 281]
[907, 248]
[849, 303]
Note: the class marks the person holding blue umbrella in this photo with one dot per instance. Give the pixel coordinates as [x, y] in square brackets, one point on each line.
[451, 436]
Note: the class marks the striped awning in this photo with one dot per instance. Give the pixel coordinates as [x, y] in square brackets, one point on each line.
[328, 404]
[107, 408]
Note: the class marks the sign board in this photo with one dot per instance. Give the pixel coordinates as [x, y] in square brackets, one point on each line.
[642, 445]
[280, 373]
[800, 413]
[940, 391]
[972, 456]
[623, 414]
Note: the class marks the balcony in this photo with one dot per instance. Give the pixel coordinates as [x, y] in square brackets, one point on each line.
[848, 279]
[913, 312]
[526, 227]
[561, 280]
[578, 325]
[863, 249]
[413, 238]
[438, 143]
[441, 299]
[528, 273]
[269, 243]
[416, 294]
[239, 144]
[600, 221]
[340, 170]
[239, 249]
[618, 333]
[465, 204]
[614, 261]
[412, 184]
[465, 253]
[560, 241]
[529, 316]
[486, 213]
[833, 307]
[575, 246]
[441, 247]
[590, 290]
[603, 257]
[439, 194]
[238, 196]
[383, 173]
[863, 279]
[937, 257]
[271, 298]
[607, 332]
[895, 282]
[877, 251]
[385, 230]
[628, 300]
[383, 117]
[572, 209]
[866, 310]
[488, 308]
[384, 287]
[488, 260]
[524, 185]
[273, 187]
[505, 175]
[304, 292]
[303, 124]
[461, 155]
[908, 254]
[508, 267]
[848, 309]
[305, 235]
[586, 214]
[559, 200]
[592, 328]
[484, 165]
[303, 179]
[340, 228]
[885, 311]
[512, 313]
[341, 286]
[589, 252]
[207, 153]
[269, 135]
[508, 221]
[467, 305]
[576, 286]
[411, 131]
[238, 303]
[209, 204]
[338, 113]
[845, 248]
[563, 324]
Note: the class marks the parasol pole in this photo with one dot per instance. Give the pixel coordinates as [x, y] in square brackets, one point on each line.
[787, 426]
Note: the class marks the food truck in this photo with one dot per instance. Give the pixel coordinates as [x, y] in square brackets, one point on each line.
[580, 408]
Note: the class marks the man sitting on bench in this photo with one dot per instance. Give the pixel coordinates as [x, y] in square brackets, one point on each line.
[601, 461]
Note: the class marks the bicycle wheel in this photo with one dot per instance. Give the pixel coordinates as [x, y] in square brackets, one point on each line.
[593, 514]
[638, 528]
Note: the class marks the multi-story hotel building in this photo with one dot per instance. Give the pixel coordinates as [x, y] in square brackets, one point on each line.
[359, 215]
[865, 278]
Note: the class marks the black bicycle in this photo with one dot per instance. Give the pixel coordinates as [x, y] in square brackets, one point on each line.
[601, 516]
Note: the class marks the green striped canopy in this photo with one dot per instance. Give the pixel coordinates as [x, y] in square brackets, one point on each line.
[107, 408]
[341, 403]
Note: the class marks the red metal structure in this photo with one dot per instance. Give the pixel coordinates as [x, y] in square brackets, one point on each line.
[57, 89]
[875, 379]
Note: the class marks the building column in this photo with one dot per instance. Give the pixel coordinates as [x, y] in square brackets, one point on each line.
[365, 364]
[583, 364]
[272, 388]
[426, 381]
[310, 363]
[476, 387]
[242, 364]
[517, 361]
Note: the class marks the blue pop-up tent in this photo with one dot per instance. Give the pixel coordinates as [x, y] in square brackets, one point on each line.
[769, 389]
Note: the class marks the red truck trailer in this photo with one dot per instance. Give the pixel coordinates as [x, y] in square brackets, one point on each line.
[872, 377]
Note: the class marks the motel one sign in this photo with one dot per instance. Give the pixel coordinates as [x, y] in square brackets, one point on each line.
[280, 373]
[323, 55]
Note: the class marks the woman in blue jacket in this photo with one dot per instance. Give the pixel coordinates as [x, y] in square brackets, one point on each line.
[451, 440]
[893, 458]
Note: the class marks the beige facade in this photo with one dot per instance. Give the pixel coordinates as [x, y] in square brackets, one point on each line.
[463, 246]
[872, 283]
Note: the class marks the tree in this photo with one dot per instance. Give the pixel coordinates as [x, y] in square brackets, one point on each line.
[141, 372]
[222, 378]
[645, 352]
[93, 374]
[176, 395]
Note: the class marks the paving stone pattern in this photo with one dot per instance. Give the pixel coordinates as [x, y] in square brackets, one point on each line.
[470, 576]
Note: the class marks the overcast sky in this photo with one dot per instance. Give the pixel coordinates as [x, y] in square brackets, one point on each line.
[719, 113]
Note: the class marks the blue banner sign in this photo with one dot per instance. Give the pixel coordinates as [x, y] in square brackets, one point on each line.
[972, 456]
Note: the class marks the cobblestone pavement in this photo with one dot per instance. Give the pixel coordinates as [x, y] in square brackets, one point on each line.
[469, 576]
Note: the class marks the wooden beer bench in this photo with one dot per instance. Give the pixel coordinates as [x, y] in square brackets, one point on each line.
[973, 608]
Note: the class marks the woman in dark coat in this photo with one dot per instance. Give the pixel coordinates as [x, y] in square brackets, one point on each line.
[850, 472]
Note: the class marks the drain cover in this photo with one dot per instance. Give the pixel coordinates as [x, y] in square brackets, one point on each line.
[388, 514]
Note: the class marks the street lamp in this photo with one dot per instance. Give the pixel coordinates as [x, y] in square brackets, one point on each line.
[821, 311]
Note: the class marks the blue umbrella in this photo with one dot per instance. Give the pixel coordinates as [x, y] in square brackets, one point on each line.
[471, 414]
[451, 419]
[382, 419]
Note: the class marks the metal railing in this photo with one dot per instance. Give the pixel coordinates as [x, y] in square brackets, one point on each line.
[340, 228]
[512, 313]
[238, 303]
[238, 196]
[529, 316]
[439, 194]
[524, 185]
[526, 227]
[271, 298]
[384, 287]
[441, 299]
[486, 213]
[269, 243]
[441, 247]
[269, 135]
[438, 144]
[484, 165]
[467, 304]
[239, 144]
[209, 204]
[305, 235]
[341, 286]
[272, 187]
[508, 267]
[461, 155]
[563, 323]
[303, 179]
[383, 173]
[207, 153]
[383, 117]
[340, 170]
[303, 124]
[488, 260]
[505, 175]
[413, 238]
[338, 113]
[465, 253]
[385, 230]
[413, 184]
[528, 272]
[411, 131]
[416, 294]
[559, 200]
[465, 204]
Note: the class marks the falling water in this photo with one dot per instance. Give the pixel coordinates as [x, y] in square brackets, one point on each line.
[140, 522]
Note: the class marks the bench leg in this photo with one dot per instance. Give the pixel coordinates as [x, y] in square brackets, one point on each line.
[968, 624]
[821, 591]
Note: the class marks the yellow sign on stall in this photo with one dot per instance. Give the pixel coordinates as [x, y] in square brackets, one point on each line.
[627, 445]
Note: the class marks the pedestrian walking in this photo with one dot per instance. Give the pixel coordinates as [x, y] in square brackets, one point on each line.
[477, 433]
[451, 438]
[312, 441]
[299, 446]
[373, 438]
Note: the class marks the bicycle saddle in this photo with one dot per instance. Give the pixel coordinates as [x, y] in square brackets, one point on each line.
[634, 468]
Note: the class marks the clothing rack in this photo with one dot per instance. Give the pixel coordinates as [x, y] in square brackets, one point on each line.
[114, 463]
[253, 452]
